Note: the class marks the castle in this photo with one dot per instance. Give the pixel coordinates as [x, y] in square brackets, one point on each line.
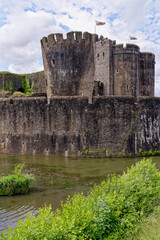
[85, 65]
[100, 101]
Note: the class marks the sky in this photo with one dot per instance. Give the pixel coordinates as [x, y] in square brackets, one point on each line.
[24, 22]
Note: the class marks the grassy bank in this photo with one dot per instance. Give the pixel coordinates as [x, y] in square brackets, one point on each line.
[112, 210]
[16, 183]
[149, 228]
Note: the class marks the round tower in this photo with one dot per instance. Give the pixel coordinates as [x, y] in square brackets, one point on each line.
[126, 69]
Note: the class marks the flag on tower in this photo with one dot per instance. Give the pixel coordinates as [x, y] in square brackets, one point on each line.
[99, 23]
[133, 38]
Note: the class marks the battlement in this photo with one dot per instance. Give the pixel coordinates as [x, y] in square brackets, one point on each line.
[129, 48]
[72, 37]
[148, 55]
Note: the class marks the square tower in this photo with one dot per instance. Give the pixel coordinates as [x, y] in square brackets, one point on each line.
[103, 64]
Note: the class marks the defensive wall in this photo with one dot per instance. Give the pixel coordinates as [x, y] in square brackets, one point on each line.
[100, 101]
[70, 126]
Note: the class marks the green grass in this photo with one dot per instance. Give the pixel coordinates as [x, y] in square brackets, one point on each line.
[149, 228]
[112, 210]
[16, 183]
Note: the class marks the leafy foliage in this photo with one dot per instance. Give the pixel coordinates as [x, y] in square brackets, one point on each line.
[110, 211]
[6, 87]
[16, 183]
[27, 86]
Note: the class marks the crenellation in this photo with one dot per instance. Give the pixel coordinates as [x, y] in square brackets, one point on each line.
[131, 47]
[78, 36]
[59, 37]
[94, 37]
[51, 38]
[87, 37]
[44, 42]
[118, 48]
[70, 36]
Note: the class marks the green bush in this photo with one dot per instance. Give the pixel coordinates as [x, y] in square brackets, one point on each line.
[11, 86]
[109, 211]
[27, 86]
[16, 183]
[6, 87]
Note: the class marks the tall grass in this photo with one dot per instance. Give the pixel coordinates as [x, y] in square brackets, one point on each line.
[16, 183]
[110, 211]
[149, 228]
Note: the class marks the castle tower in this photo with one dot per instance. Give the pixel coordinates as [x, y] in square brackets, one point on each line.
[126, 70]
[147, 71]
[69, 64]
[104, 64]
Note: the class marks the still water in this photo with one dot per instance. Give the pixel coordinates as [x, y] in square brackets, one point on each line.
[56, 178]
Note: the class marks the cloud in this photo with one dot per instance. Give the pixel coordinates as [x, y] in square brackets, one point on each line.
[24, 22]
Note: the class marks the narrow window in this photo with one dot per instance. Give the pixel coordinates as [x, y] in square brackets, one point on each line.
[103, 54]
[117, 70]
[53, 62]
[98, 55]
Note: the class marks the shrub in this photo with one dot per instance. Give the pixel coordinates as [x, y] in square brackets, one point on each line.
[16, 183]
[6, 87]
[27, 86]
[11, 86]
[108, 212]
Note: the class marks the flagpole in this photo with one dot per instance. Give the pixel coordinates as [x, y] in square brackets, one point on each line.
[95, 27]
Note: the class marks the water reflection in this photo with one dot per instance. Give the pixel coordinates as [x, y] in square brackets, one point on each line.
[56, 178]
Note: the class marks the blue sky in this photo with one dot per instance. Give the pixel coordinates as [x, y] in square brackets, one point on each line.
[24, 22]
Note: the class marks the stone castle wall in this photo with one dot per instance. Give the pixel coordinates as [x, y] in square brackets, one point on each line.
[70, 126]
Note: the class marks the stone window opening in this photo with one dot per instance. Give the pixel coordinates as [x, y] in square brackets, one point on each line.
[103, 54]
[117, 70]
[98, 56]
[53, 62]
[127, 87]
[74, 36]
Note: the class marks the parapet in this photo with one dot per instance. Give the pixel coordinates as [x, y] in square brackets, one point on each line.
[129, 48]
[72, 37]
[148, 55]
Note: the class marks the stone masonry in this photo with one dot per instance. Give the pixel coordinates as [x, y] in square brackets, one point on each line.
[100, 102]
[74, 65]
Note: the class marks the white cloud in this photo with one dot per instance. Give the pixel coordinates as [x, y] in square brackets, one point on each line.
[25, 22]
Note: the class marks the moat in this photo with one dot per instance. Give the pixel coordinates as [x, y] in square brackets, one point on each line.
[56, 178]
